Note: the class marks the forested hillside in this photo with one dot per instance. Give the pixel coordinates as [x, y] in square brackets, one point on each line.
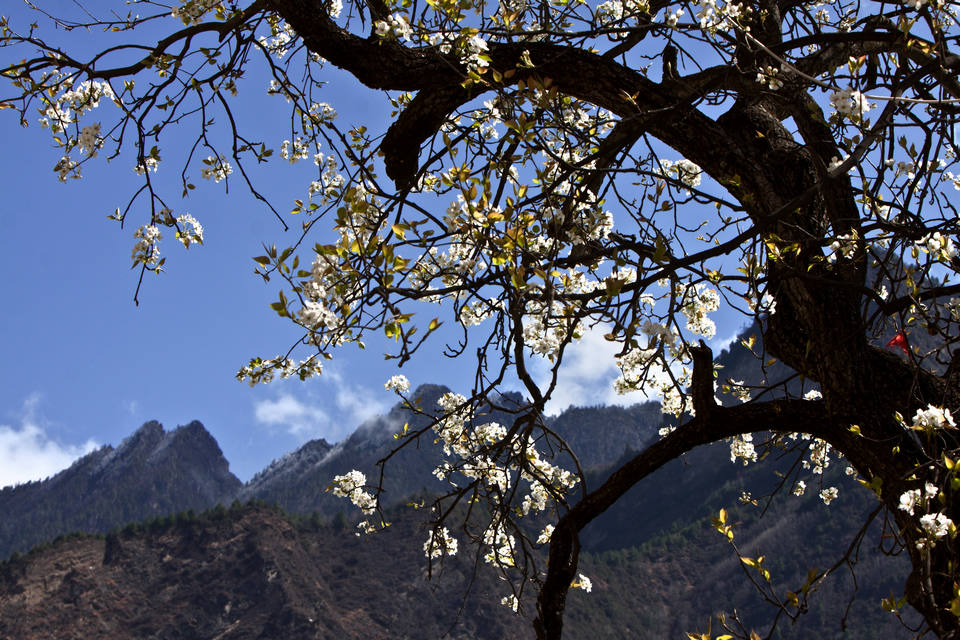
[151, 473]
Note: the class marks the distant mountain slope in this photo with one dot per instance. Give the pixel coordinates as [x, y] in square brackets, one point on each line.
[297, 482]
[156, 473]
[150, 473]
[658, 542]
[246, 574]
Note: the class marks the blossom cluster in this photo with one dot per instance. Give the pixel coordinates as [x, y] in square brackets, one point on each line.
[493, 461]
[322, 113]
[190, 230]
[688, 173]
[216, 169]
[931, 419]
[149, 164]
[352, 485]
[331, 181]
[850, 103]
[647, 370]
[72, 104]
[192, 11]
[328, 296]
[546, 327]
[263, 371]
[698, 301]
[439, 542]
[933, 526]
[938, 245]
[66, 167]
[146, 250]
[89, 139]
[742, 449]
[473, 314]
[398, 383]
[767, 76]
[844, 246]
[396, 25]
[828, 495]
[294, 151]
[714, 17]
[616, 12]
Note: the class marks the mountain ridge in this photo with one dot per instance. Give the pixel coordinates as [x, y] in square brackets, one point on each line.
[150, 473]
[660, 529]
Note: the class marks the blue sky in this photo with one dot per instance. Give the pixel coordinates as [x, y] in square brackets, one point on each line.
[84, 366]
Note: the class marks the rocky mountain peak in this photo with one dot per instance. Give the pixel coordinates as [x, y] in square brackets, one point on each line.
[152, 472]
[144, 439]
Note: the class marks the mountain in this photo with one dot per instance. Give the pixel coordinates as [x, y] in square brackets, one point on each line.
[151, 473]
[658, 567]
[247, 573]
[298, 481]
[156, 473]
[658, 542]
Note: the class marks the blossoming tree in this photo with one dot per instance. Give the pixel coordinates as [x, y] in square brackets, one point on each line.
[557, 167]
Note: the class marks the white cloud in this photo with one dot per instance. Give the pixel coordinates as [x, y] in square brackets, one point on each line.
[302, 420]
[586, 375]
[355, 402]
[305, 416]
[589, 369]
[359, 404]
[718, 344]
[28, 453]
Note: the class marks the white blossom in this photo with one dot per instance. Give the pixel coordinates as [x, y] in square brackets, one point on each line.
[934, 526]
[908, 500]
[933, 418]
[844, 246]
[850, 102]
[582, 582]
[819, 456]
[67, 168]
[150, 163]
[145, 250]
[545, 535]
[216, 169]
[294, 151]
[190, 230]
[742, 449]
[351, 485]
[90, 139]
[192, 11]
[395, 24]
[398, 383]
[938, 245]
[323, 112]
[768, 76]
[438, 545]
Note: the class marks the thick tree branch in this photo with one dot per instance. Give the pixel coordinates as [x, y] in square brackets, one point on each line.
[723, 422]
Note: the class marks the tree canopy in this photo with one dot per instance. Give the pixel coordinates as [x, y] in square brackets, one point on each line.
[559, 167]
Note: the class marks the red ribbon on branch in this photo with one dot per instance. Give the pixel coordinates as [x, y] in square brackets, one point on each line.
[900, 340]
